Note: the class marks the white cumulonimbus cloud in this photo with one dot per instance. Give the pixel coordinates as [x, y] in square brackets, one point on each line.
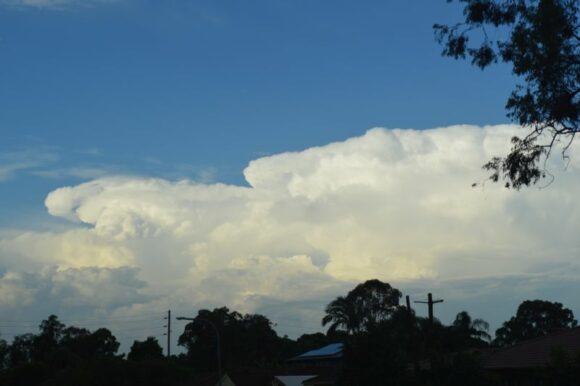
[397, 205]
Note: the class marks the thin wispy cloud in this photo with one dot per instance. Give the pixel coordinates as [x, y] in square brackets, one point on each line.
[52, 162]
[94, 151]
[53, 4]
[81, 172]
[16, 161]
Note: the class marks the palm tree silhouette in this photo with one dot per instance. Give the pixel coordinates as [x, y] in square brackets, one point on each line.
[365, 306]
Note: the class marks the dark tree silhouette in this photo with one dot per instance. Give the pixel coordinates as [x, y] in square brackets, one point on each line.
[4, 354]
[75, 340]
[63, 356]
[468, 333]
[365, 306]
[46, 342]
[21, 349]
[52, 329]
[540, 42]
[307, 342]
[149, 349]
[341, 315]
[102, 343]
[246, 340]
[534, 318]
[384, 352]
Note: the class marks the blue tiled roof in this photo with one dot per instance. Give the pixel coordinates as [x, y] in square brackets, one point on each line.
[332, 350]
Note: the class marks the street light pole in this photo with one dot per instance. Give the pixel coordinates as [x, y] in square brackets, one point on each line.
[217, 339]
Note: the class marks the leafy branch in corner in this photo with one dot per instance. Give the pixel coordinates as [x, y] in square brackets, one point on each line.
[540, 40]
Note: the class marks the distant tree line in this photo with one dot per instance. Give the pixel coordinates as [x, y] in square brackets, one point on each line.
[384, 342]
[61, 355]
[68, 355]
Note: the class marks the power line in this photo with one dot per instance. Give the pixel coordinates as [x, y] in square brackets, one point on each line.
[95, 324]
[95, 319]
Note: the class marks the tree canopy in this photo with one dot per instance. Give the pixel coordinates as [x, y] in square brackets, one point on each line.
[534, 318]
[468, 332]
[539, 39]
[149, 349]
[245, 339]
[63, 356]
[390, 345]
[363, 307]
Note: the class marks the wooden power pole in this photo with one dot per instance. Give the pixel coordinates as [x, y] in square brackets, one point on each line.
[168, 333]
[430, 303]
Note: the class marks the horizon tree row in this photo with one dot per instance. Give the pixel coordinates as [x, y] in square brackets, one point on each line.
[382, 339]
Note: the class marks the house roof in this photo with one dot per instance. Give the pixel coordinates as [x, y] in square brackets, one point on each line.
[322, 379]
[237, 377]
[294, 380]
[534, 352]
[248, 376]
[333, 350]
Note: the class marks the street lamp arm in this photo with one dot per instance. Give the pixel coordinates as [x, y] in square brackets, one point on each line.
[207, 321]
[218, 344]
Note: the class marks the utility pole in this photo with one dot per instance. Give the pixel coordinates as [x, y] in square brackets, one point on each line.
[430, 303]
[168, 325]
[408, 303]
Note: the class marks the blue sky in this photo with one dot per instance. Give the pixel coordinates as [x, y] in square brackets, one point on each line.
[188, 154]
[199, 88]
